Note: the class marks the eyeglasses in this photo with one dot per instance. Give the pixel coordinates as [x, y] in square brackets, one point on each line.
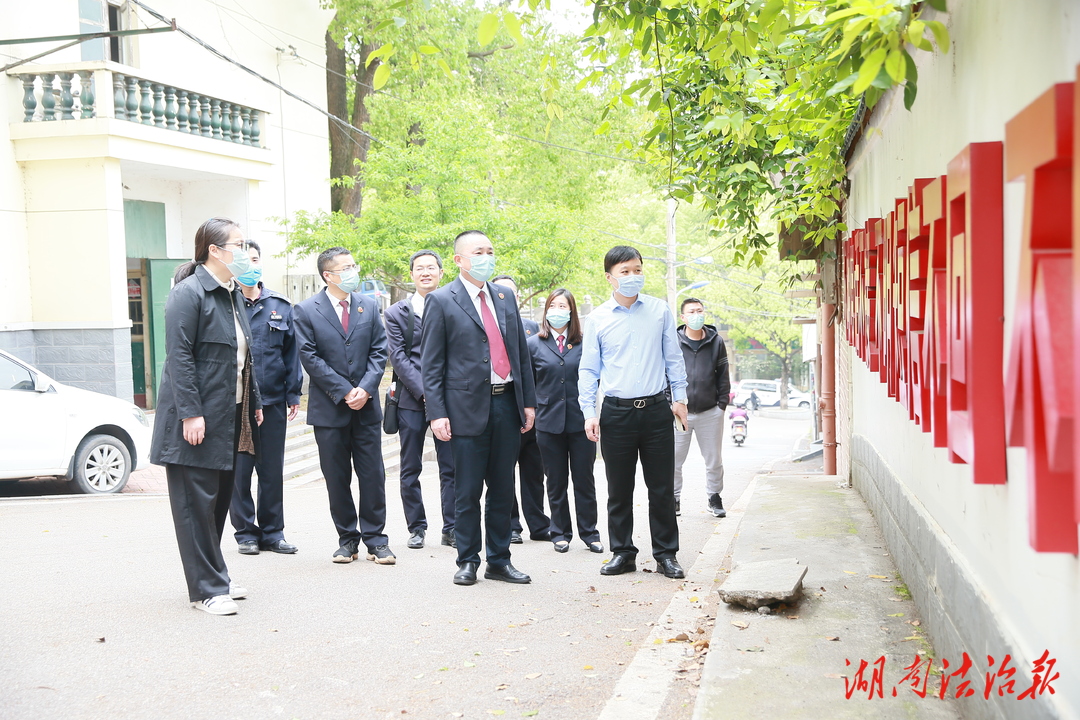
[347, 268]
[243, 245]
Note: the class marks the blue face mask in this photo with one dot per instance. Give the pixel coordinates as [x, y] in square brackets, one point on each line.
[240, 264]
[631, 285]
[695, 321]
[558, 318]
[251, 277]
[350, 281]
[481, 267]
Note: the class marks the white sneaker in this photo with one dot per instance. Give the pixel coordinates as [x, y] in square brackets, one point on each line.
[217, 605]
[236, 592]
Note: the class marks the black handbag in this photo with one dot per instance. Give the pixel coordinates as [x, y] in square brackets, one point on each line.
[390, 406]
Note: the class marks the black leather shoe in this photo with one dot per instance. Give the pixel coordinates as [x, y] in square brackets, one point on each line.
[546, 535]
[515, 538]
[285, 548]
[506, 573]
[466, 574]
[248, 548]
[618, 564]
[562, 546]
[450, 539]
[596, 546]
[416, 540]
[670, 567]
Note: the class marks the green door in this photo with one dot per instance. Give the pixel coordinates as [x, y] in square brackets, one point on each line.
[160, 274]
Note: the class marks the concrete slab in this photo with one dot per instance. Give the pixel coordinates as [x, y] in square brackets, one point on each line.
[804, 661]
[754, 584]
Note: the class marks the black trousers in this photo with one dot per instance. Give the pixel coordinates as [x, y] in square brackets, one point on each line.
[648, 433]
[199, 498]
[412, 430]
[570, 455]
[531, 480]
[267, 525]
[342, 449]
[488, 457]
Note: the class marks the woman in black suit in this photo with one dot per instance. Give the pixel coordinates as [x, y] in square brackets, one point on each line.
[209, 406]
[560, 424]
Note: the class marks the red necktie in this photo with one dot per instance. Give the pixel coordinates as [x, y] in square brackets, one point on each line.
[559, 342]
[500, 363]
[344, 315]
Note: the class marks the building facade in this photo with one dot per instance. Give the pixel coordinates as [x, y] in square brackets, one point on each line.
[113, 151]
[957, 367]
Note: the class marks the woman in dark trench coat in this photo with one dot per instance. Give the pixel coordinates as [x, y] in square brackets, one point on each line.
[209, 407]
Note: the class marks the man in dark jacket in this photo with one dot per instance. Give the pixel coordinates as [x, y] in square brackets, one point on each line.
[707, 392]
[343, 348]
[277, 371]
[427, 271]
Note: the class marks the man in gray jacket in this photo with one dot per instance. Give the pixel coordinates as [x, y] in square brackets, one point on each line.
[707, 390]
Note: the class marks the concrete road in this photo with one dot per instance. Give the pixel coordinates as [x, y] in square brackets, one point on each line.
[95, 622]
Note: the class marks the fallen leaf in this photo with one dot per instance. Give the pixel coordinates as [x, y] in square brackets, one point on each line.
[501, 687]
[469, 664]
[792, 617]
[273, 631]
[608, 635]
[834, 675]
[533, 676]
[496, 712]
[756, 648]
[417, 677]
[628, 629]
[587, 667]
[741, 624]
[916, 623]
[833, 638]
[425, 623]
[530, 713]
[458, 714]
[851, 572]
[592, 588]
[443, 669]
[913, 637]
[657, 641]
[897, 615]
[878, 577]
[682, 637]
[694, 599]
[565, 634]
[511, 626]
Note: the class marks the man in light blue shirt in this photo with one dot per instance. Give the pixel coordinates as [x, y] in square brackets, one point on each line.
[631, 352]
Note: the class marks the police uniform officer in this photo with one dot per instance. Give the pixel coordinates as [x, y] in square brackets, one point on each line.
[277, 371]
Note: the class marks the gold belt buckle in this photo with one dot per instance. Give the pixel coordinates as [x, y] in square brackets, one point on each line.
[639, 404]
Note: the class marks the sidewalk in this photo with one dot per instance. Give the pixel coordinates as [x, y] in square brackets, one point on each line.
[855, 607]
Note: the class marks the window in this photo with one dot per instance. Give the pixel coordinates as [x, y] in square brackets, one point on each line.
[14, 376]
[115, 25]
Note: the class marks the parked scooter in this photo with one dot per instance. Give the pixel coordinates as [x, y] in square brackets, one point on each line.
[738, 430]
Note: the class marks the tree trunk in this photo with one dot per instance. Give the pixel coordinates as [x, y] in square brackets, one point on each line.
[785, 373]
[348, 148]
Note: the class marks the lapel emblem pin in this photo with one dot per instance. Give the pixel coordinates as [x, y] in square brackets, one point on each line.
[501, 296]
[569, 347]
[360, 309]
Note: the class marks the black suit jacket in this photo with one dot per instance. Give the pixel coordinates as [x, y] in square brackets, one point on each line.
[531, 327]
[455, 360]
[406, 363]
[337, 362]
[557, 408]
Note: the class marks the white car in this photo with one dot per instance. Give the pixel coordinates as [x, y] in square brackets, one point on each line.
[768, 394]
[48, 428]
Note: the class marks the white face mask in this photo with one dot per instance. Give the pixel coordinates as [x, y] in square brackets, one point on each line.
[630, 285]
[695, 321]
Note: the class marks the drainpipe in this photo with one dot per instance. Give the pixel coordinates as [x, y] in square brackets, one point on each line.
[827, 401]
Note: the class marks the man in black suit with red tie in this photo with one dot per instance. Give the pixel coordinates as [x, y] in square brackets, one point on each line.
[342, 346]
[478, 385]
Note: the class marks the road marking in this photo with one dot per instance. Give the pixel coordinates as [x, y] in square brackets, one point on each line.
[643, 687]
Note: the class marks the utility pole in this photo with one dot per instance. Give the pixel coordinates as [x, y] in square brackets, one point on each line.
[672, 206]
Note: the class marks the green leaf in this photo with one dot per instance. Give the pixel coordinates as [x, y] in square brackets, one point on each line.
[530, 713]
[915, 32]
[383, 51]
[769, 13]
[869, 70]
[489, 25]
[911, 85]
[938, 5]
[429, 49]
[446, 69]
[399, 21]
[646, 40]
[894, 65]
[941, 35]
[843, 85]
[382, 74]
[513, 26]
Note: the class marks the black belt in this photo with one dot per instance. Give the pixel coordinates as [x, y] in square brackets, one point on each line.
[637, 402]
[501, 388]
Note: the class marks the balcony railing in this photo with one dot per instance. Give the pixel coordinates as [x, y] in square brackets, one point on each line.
[75, 95]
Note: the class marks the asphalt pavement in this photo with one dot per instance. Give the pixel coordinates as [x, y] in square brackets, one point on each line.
[95, 621]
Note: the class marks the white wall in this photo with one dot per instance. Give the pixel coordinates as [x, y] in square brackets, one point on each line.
[1005, 54]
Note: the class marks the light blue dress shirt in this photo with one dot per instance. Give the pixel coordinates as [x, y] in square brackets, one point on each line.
[631, 352]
